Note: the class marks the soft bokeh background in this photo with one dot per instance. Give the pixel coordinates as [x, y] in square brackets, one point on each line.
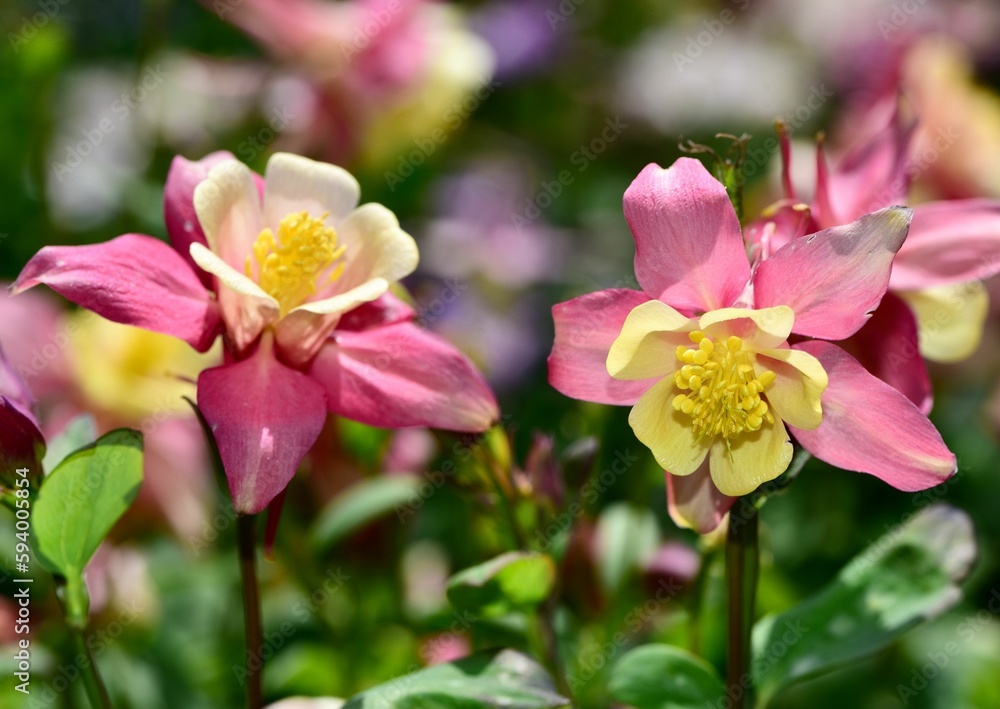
[503, 135]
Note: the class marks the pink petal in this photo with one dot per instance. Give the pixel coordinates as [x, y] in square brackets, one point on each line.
[585, 328]
[132, 279]
[178, 204]
[265, 417]
[21, 441]
[694, 502]
[833, 279]
[177, 477]
[949, 242]
[399, 376]
[302, 332]
[384, 310]
[887, 347]
[689, 251]
[869, 427]
[35, 339]
[872, 175]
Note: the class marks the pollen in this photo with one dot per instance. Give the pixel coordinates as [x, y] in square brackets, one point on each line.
[290, 264]
[720, 390]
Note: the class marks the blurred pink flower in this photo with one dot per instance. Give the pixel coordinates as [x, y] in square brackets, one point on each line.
[298, 287]
[118, 580]
[935, 289]
[444, 647]
[21, 441]
[714, 414]
[383, 72]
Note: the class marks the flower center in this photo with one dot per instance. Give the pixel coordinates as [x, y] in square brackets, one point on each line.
[724, 393]
[291, 263]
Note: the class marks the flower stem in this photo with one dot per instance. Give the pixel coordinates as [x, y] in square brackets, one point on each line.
[550, 645]
[97, 693]
[251, 610]
[742, 561]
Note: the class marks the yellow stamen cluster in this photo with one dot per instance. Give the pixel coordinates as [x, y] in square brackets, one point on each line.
[724, 398]
[291, 263]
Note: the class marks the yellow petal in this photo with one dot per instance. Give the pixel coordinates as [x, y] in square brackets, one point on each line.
[752, 459]
[666, 432]
[799, 382]
[949, 319]
[767, 327]
[647, 344]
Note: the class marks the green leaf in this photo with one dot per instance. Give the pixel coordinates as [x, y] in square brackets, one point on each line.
[498, 679]
[362, 503]
[516, 580]
[78, 433]
[365, 444]
[909, 575]
[664, 677]
[626, 537]
[81, 500]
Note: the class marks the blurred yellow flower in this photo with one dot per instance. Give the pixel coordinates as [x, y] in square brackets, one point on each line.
[131, 372]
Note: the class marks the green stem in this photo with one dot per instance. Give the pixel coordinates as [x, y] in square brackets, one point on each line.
[97, 693]
[742, 562]
[251, 611]
[550, 645]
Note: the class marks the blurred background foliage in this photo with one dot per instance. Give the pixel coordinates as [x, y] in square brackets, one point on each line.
[370, 605]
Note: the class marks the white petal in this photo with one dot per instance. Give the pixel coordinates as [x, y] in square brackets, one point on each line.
[228, 208]
[246, 308]
[303, 331]
[296, 184]
[375, 248]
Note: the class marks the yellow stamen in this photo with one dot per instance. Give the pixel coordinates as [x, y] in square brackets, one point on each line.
[721, 392]
[290, 264]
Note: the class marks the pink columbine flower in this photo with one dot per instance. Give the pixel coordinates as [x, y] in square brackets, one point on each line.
[935, 289]
[715, 357]
[296, 278]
